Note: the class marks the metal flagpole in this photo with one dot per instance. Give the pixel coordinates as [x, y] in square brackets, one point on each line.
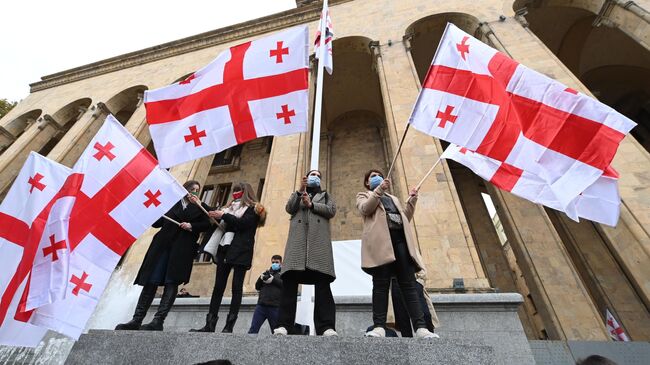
[315, 142]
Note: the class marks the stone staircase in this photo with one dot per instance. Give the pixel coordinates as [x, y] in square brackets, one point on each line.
[141, 347]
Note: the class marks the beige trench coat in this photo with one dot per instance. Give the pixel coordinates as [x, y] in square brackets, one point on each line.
[376, 246]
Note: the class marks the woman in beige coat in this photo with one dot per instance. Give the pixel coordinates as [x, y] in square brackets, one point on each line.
[388, 249]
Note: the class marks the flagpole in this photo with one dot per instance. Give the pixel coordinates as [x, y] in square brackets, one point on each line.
[315, 142]
[399, 148]
[214, 221]
[427, 175]
[171, 220]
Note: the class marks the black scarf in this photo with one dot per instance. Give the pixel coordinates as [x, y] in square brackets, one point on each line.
[312, 191]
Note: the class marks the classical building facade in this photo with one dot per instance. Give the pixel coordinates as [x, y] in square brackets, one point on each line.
[569, 273]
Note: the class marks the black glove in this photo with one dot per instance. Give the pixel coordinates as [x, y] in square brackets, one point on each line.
[266, 275]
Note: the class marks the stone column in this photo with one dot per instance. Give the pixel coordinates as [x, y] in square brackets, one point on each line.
[440, 225]
[72, 145]
[603, 277]
[555, 286]
[562, 300]
[630, 240]
[35, 136]
[6, 139]
[138, 127]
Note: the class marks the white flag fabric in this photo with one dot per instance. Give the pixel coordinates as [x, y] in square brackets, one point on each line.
[251, 90]
[328, 59]
[484, 101]
[615, 330]
[600, 202]
[119, 191]
[23, 216]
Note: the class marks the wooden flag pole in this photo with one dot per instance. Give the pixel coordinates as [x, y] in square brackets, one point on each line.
[399, 148]
[171, 220]
[214, 221]
[427, 175]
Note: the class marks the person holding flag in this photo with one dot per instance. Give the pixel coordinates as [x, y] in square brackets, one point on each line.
[169, 260]
[242, 217]
[388, 248]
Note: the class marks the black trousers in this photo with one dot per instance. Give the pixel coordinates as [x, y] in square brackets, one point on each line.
[220, 282]
[402, 319]
[404, 270]
[324, 307]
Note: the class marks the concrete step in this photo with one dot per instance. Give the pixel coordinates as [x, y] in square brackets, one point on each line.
[142, 347]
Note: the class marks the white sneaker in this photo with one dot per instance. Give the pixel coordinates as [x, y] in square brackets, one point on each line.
[425, 333]
[280, 331]
[376, 332]
[330, 332]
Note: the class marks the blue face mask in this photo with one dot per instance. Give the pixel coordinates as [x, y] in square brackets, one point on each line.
[275, 266]
[313, 181]
[375, 181]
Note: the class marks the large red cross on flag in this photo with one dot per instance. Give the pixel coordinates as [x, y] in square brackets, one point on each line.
[23, 216]
[480, 99]
[599, 202]
[102, 212]
[236, 98]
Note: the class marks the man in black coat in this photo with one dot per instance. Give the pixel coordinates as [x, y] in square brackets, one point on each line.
[169, 260]
[269, 286]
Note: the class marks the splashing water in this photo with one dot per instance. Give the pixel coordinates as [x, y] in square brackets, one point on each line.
[117, 303]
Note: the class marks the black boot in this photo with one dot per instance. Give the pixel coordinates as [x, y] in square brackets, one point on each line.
[144, 302]
[166, 302]
[230, 323]
[210, 323]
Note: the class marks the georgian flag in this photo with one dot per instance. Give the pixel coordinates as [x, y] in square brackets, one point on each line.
[23, 216]
[328, 59]
[484, 101]
[600, 202]
[615, 330]
[115, 192]
[251, 90]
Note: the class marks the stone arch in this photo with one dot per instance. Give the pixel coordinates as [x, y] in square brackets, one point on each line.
[628, 17]
[612, 64]
[12, 130]
[123, 104]
[499, 266]
[354, 136]
[65, 118]
[424, 34]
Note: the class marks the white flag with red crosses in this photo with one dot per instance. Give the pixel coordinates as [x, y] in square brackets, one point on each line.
[615, 330]
[115, 192]
[482, 100]
[600, 202]
[251, 90]
[328, 57]
[23, 217]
